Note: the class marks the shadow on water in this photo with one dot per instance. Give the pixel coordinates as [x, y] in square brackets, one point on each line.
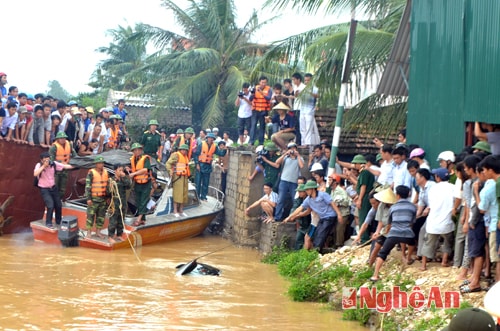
[49, 287]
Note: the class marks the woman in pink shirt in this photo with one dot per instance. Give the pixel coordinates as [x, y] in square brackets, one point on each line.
[44, 172]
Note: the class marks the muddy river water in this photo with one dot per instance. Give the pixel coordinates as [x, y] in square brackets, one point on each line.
[53, 288]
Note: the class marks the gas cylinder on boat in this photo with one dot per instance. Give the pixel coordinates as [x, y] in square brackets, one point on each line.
[68, 233]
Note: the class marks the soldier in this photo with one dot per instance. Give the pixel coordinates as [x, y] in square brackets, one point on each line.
[178, 167]
[186, 138]
[141, 174]
[97, 194]
[151, 140]
[203, 159]
[61, 151]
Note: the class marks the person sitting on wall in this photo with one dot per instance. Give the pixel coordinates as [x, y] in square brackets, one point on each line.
[267, 203]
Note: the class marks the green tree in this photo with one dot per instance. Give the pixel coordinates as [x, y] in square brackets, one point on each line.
[125, 54]
[206, 65]
[57, 91]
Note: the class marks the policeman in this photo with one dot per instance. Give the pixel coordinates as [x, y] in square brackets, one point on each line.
[97, 193]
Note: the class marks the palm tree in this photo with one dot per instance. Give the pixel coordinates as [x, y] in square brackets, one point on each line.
[125, 54]
[322, 51]
[206, 65]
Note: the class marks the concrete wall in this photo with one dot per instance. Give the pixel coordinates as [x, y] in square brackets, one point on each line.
[241, 193]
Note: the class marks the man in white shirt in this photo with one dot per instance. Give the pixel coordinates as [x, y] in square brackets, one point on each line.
[267, 203]
[244, 112]
[400, 173]
[439, 222]
[305, 102]
[9, 122]
[63, 111]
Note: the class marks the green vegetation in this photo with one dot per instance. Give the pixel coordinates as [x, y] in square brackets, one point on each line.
[361, 315]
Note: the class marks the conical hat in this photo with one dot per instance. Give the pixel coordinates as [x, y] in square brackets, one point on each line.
[492, 300]
[386, 196]
[281, 105]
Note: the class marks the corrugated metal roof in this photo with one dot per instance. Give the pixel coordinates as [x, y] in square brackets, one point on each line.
[142, 101]
[395, 78]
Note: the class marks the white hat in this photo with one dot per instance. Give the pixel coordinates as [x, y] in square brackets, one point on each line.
[446, 156]
[215, 130]
[317, 167]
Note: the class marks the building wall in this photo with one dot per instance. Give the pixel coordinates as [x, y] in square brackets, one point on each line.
[454, 71]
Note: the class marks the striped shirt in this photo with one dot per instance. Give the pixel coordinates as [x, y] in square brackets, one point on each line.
[401, 217]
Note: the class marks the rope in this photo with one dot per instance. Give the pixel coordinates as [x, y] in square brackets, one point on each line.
[111, 209]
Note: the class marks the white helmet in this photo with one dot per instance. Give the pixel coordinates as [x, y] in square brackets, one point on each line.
[317, 167]
[446, 156]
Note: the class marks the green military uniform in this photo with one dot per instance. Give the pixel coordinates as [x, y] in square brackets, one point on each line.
[203, 175]
[151, 142]
[116, 220]
[142, 190]
[98, 208]
[60, 177]
[271, 174]
[303, 222]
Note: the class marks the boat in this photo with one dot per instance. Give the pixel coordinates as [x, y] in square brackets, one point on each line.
[161, 223]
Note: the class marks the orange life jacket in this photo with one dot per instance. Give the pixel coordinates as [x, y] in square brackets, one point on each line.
[99, 183]
[183, 141]
[182, 166]
[259, 103]
[206, 155]
[113, 138]
[63, 153]
[143, 178]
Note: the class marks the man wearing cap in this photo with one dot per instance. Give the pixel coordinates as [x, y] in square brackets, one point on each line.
[185, 137]
[97, 192]
[303, 222]
[178, 167]
[471, 319]
[9, 122]
[140, 172]
[439, 222]
[61, 151]
[203, 159]
[151, 140]
[323, 205]
[45, 172]
[482, 147]
[286, 126]
[292, 163]
[364, 185]
[266, 163]
[215, 131]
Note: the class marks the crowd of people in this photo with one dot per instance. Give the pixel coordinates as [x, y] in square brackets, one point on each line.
[394, 199]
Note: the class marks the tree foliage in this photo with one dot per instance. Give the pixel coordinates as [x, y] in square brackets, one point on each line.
[206, 65]
[57, 91]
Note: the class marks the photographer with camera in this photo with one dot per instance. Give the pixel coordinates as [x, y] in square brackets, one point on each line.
[261, 105]
[44, 174]
[292, 163]
[244, 111]
[266, 163]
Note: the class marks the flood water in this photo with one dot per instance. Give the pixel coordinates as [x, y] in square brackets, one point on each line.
[53, 288]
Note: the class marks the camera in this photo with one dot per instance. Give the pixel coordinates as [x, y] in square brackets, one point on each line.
[260, 154]
[252, 90]
[241, 94]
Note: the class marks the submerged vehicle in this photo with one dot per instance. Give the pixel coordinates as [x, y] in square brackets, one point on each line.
[161, 224]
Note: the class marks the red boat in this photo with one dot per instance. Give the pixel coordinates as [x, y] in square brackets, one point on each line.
[161, 224]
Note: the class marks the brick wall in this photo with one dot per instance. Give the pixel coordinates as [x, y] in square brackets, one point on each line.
[241, 193]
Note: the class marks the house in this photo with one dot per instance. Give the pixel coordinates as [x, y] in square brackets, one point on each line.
[142, 108]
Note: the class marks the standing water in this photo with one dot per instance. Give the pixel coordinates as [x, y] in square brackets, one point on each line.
[46, 287]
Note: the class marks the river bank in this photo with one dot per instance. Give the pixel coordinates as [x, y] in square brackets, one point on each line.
[423, 300]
